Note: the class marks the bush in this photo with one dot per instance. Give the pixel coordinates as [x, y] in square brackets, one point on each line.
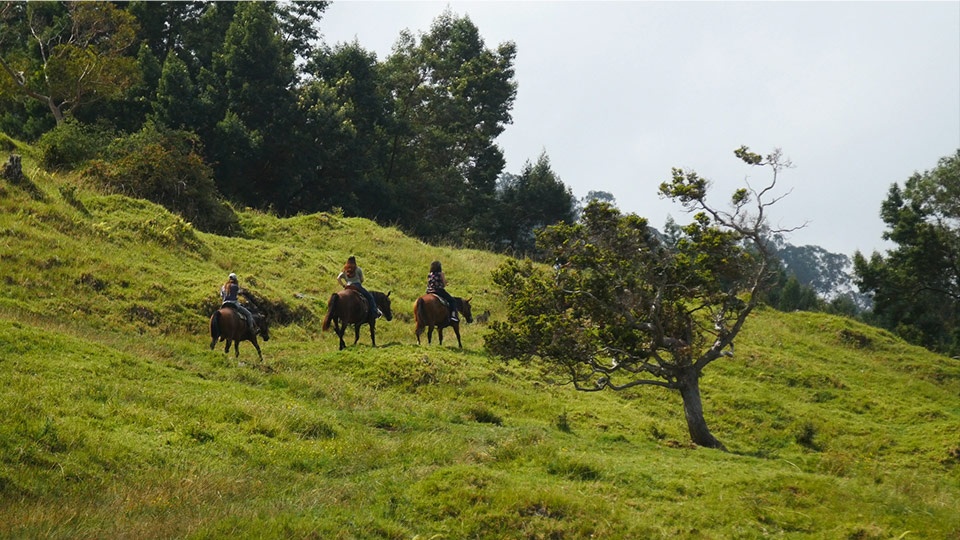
[72, 144]
[164, 166]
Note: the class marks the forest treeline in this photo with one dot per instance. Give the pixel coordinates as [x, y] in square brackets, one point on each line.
[205, 107]
[194, 104]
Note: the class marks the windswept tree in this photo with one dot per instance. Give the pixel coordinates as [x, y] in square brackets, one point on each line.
[916, 286]
[622, 309]
[67, 54]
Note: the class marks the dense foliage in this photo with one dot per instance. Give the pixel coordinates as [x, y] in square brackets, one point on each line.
[916, 286]
[284, 121]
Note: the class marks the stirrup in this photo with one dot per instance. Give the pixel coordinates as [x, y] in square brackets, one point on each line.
[453, 317]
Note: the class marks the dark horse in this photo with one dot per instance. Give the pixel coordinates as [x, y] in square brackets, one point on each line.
[429, 311]
[226, 325]
[350, 307]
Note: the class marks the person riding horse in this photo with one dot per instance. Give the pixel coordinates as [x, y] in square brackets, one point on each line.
[437, 284]
[228, 296]
[352, 276]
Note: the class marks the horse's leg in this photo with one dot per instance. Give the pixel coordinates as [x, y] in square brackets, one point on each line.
[257, 346]
[336, 330]
[373, 335]
[236, 348]
[214, 329]
[340, 329]
[227, 348]
[456, 330]
[418, 331]
[356, 333]
[440, 334]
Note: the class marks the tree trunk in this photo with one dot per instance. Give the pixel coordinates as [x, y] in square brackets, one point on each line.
[693, 410]
[55, 109]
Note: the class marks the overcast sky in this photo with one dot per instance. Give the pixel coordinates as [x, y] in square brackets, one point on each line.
[859, 95]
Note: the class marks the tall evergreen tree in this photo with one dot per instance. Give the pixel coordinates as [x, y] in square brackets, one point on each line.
[254, 75]
[176, 105]
[345, 114]
[916, 286]
[531, 201]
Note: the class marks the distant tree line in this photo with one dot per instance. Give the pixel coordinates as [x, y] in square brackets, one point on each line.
[206, 105]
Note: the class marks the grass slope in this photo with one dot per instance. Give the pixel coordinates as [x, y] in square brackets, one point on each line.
[117, 421]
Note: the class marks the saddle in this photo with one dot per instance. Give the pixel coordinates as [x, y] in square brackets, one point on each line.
[443, 301]
[234, 306]
[363, 297]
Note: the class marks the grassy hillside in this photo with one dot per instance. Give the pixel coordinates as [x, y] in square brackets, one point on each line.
[117, 421]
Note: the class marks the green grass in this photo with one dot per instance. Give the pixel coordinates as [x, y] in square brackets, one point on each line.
[119, 422]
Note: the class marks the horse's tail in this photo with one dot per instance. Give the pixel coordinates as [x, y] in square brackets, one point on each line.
[418, 313]
[331, 306]
[214, 328]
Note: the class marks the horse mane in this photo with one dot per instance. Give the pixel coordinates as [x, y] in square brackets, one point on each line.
[251, 299]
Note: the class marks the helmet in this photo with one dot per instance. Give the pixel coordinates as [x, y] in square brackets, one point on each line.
[232, 276]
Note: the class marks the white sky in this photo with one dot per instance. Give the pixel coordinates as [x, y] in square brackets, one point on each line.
[858, 95]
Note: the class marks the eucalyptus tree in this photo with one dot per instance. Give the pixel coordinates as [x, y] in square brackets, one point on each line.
[621, 309]
[67, 55]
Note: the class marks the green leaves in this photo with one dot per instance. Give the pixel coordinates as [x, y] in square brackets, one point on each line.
[747, 156]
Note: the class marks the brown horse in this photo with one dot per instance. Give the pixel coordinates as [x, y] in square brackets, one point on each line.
[350, 307]
[226, 325]
[430, 312]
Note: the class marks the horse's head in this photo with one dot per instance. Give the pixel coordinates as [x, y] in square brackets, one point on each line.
[262, 325]
[465, 309]
[383, 302]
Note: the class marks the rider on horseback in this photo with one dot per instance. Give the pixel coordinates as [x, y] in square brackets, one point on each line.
[352, 276]
[228, 296]
[437, 283]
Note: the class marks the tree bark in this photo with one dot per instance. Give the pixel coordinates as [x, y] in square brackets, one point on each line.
[693, 410]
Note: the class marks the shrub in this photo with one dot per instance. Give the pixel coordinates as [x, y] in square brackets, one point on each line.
[72, 144]
[164, 166]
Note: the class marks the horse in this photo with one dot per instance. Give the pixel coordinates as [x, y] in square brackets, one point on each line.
[430, 312]
[348, 307]
[226, 325]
